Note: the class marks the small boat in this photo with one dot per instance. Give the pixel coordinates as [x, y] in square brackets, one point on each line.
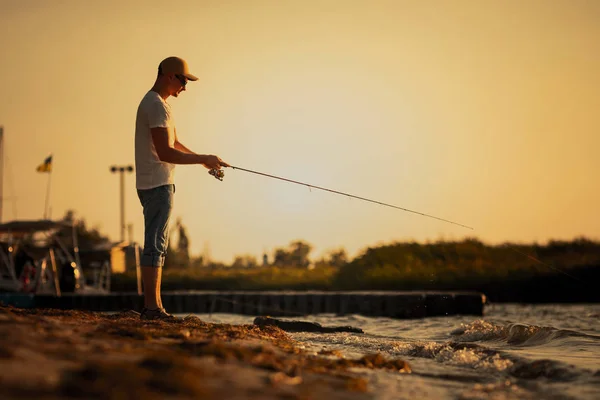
[42, 257]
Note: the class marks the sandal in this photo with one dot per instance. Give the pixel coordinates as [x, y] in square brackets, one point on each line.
[158, 313]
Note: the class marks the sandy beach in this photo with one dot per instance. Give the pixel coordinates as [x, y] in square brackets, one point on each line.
[50, 354]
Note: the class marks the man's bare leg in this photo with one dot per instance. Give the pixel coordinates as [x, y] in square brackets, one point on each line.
[151, 279]
[158, 296]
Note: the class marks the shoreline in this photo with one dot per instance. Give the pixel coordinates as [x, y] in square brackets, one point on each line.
[51, 354]
[403, 305]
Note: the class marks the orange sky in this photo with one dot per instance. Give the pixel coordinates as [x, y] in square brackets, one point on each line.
[483, 112]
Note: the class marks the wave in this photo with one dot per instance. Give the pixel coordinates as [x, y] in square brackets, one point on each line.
[459, 354]
[463, 355]
[486, 363]
[513, 333]
[467, 355]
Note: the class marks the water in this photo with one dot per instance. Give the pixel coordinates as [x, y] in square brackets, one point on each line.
[513, 352]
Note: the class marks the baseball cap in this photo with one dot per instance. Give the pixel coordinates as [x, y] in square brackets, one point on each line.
[178, 66]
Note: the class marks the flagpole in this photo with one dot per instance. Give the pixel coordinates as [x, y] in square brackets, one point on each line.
[47, 195]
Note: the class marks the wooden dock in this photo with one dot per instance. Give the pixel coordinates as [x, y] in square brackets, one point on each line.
[289, 304]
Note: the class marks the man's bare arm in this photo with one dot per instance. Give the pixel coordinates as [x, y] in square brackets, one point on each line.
[166, 153]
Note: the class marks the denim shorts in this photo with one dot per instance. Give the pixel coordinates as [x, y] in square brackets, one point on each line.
[157, 204]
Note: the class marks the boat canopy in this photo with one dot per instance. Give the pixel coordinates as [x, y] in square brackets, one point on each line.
[31, 226]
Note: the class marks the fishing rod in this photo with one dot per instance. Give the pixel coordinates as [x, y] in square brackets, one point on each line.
[220, 174]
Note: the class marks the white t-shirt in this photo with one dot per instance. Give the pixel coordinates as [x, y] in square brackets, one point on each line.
[150, 172]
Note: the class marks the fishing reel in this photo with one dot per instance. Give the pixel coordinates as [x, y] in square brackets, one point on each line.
[217, 173]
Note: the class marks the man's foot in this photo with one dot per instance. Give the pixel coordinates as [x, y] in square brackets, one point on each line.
[158, 313]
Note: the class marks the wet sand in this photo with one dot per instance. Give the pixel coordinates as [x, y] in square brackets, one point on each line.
[51, 354]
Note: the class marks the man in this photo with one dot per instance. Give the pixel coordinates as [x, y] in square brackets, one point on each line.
[157, 151]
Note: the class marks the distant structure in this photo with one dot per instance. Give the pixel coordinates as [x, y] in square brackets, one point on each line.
[183, 242]
[206, 253]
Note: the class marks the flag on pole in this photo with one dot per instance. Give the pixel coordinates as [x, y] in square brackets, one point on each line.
[46, 166]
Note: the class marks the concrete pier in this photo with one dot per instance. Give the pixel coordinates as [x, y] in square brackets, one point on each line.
[288, 304]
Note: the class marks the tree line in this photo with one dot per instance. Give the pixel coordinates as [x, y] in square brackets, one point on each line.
[559, 270]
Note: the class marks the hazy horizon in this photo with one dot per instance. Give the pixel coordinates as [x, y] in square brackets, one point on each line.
[480, 112]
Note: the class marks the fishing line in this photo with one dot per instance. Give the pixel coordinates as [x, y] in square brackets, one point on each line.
[543, 263]
[219, 174]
